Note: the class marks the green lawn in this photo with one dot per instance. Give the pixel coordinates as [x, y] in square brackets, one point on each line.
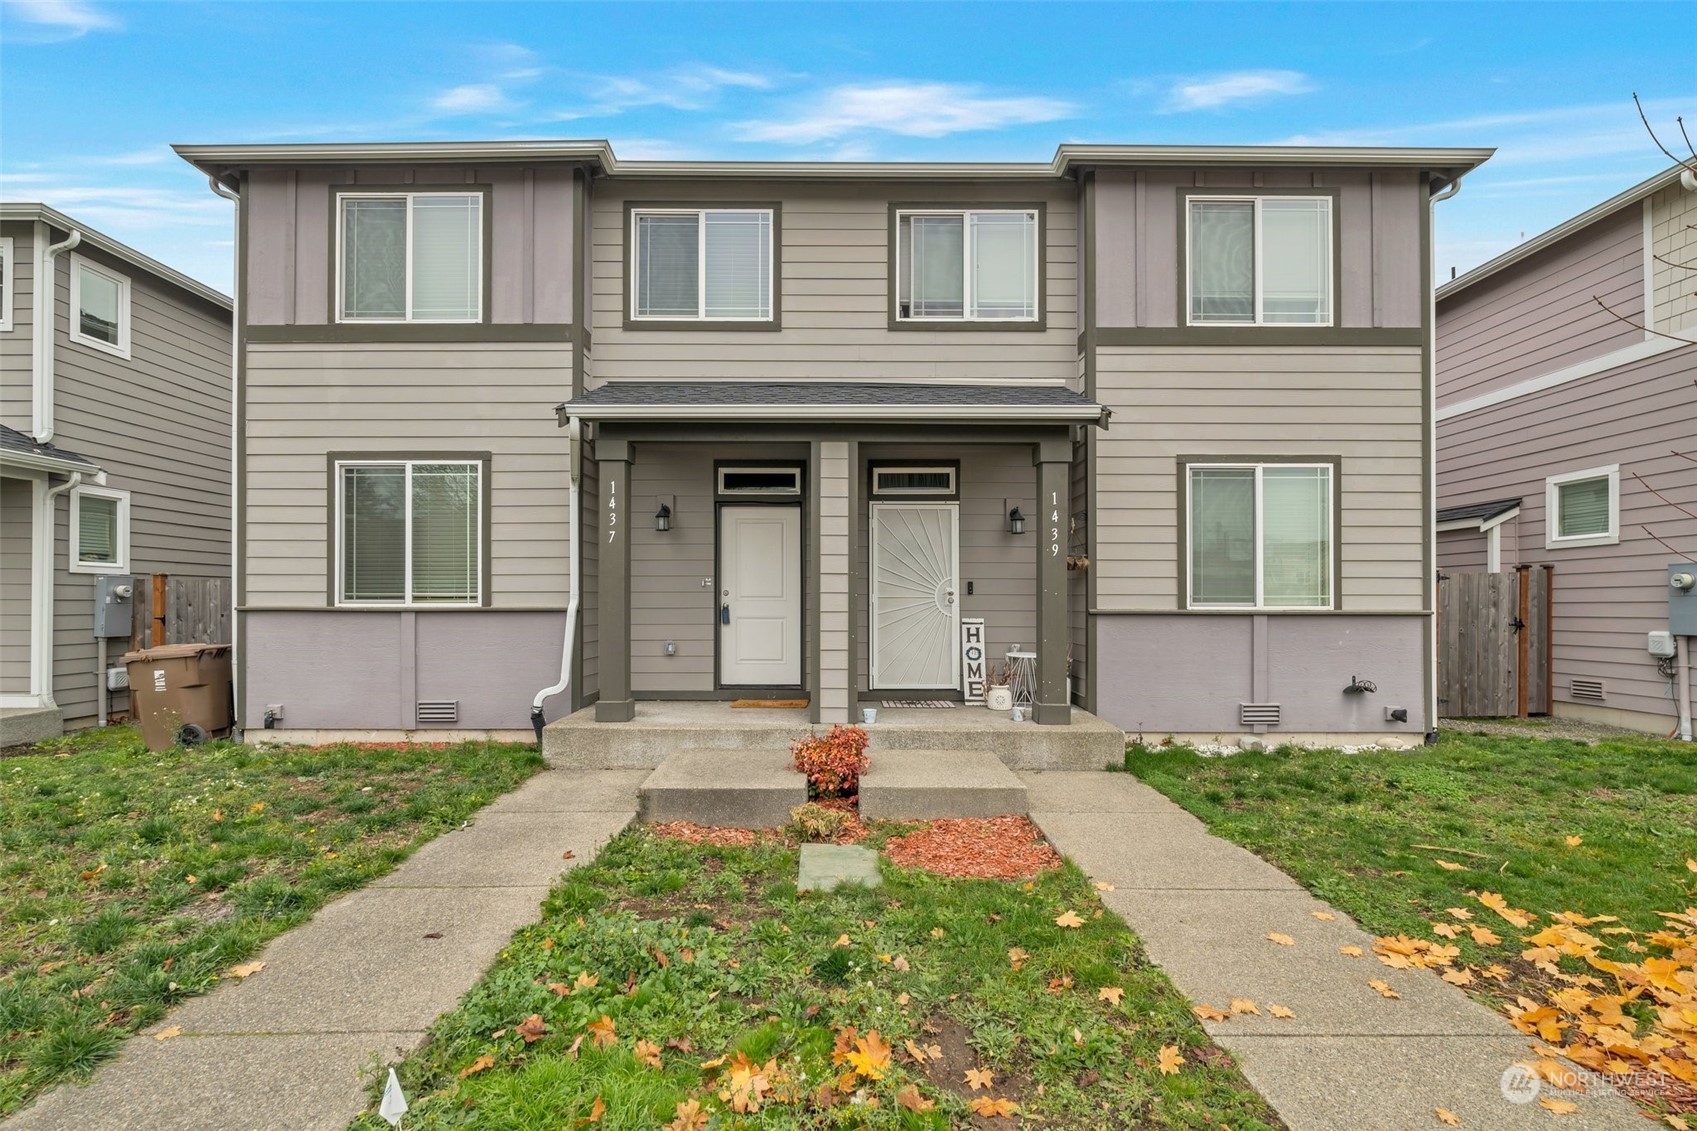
[130, 880]
[668, 974]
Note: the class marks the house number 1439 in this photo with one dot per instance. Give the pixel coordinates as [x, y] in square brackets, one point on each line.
[1054, 524]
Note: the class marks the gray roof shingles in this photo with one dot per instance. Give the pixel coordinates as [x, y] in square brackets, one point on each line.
[1484, 512]
[11, 440]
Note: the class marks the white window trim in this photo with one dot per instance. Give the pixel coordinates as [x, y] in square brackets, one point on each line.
[408, 320]
[1260, 258]
[700, 214]
[879, 469]
[344, 601]
[967, 295]
[78, 265]
[1552, 514]
[74, 548]
[6, 276]
[1260, 603]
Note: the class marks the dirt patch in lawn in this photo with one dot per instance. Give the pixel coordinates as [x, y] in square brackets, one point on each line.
[950, 1070]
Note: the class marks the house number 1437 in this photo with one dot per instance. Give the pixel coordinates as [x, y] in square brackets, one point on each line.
[612, 509]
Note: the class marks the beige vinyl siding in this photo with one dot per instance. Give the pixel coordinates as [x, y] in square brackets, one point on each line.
[1606, 597]
[1541, 314]
[15, 344]
[291, 238]
[1673, 231]
[834, 303]
[158, 424]
[304, 401]
[1361, 404]
[15, 579]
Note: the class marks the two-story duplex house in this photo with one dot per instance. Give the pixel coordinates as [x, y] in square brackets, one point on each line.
[523, 419]
[114, 450]
[1565, 397]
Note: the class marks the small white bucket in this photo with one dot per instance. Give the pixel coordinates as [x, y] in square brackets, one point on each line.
[869, 715]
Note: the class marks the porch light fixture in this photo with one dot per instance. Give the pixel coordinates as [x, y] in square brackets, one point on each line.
[1016, 522]
[663, 518]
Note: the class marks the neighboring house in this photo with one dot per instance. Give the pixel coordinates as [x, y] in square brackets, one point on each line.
[823, 412]
[114, 450]
[1558, 427]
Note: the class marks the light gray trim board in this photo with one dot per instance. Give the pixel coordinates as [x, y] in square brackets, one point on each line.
[355, 333]
[1260, 335]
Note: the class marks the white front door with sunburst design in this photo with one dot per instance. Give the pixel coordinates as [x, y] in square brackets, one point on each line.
[915, 603]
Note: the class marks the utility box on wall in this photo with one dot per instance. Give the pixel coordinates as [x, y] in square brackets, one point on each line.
[114, 605]
[1682, 599]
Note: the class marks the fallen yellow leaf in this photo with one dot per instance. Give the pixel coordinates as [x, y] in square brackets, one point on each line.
[1208, 1013]
[1484, 936]
[1447, 1118]
[1245, 1005]
[690, 1117]
[910, 1099]
[1282, 940]
[1327, 916]
[1457, 977]
[1017, 956]
[1449, 865]
[1575, 841]
[478, 1065]
[937, 932]
[1284, 1013]
[990, 1108]
[167, 1034]
[1110, 994]
[1068, 919]
[596, 1111]
[648, 1053]
[1460, 912]
[842, 940]
[1384, 990]
[246, 969]
[977, 1078]
[1103, 886]
[1350, 951]
[1557, 1107]
[1171, 1058]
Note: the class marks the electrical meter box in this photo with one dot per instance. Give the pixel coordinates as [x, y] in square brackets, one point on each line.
[114, 605]
[1682, 598]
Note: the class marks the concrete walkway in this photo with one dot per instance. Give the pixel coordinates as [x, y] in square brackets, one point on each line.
[291, 1046]
[1349, 1058]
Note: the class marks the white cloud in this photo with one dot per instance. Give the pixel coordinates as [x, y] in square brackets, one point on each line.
[151, 155]
[918, 109]
[1210, 92]
[472, 98]
[694, 87]
[64, 19]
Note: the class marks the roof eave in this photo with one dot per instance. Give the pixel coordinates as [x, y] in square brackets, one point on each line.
[35, 461]
[1451, 161]
[47, 214]
[810, 413]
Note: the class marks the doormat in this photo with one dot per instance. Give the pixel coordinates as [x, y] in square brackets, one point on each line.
[932, 704]
[789, 703]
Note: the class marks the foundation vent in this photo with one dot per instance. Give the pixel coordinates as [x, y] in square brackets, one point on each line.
[438, 712]
[1586, 689]
[1258, 714]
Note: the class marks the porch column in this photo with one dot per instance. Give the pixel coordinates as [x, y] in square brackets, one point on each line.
[611, 530]
[834, 700]
[1053, 459]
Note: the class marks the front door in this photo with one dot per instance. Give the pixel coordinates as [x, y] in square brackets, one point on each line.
[760, 596]
[915, 607]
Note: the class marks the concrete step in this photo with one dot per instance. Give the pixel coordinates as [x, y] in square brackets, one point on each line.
[744, 789]
[1087, 743]
[917, 785]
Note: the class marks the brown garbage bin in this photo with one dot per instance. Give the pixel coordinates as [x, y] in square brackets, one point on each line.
[180, 692]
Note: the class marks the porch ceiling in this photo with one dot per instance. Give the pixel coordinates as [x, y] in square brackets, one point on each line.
[843, 401]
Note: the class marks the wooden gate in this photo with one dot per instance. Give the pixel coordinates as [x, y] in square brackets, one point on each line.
[1494, 643]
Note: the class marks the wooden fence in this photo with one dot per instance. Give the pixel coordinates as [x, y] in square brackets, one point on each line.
[1494, 643]
[180, 610]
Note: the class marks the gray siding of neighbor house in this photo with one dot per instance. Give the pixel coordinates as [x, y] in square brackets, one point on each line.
[1541, 314]
[1138, 220]
[835, 302]
[368, 670]
[15, 343]
[1606, 597]
[158, 423]
[15, 567]
[291, 238]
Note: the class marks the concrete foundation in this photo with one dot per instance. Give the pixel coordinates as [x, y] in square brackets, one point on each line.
[25, 726]
[921, 785]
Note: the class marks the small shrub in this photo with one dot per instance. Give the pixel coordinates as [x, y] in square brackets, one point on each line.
[812, 822]
[833, 763]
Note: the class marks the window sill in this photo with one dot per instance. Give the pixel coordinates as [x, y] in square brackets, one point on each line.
[708, 325]
[1261, 610]
[103, 347]
[1580, 543]
[100, 568]
[969, 325]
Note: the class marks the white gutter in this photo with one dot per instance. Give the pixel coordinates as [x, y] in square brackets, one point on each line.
[33, 461]
[235, 456]
[575, 583]
[44, 329]
[44, 529]
[1431, 516]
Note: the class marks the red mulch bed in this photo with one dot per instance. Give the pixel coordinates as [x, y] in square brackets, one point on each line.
[993, 848]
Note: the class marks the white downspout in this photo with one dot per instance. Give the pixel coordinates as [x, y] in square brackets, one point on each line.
[235, 455]
[45, 529]
[575, 540]
[44, 329]
[1431, 518]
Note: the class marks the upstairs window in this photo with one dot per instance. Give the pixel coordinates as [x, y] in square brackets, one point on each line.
[410, 257]
[410, 532]
[702, 264]
[100, 307]
[1260, 536]
[1263, 260]
[966, 266]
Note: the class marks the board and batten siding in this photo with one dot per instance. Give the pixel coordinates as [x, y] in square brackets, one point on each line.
[1363, 404]
[834, 300]
[15, 344]
[1606, 597]
[291, 238]
[1139, 226]
[158, 424]
[1541, 314]
[305, 401]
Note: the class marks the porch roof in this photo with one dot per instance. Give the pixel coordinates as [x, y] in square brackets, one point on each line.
[20, 450]
[1466, 514]
[838, 401]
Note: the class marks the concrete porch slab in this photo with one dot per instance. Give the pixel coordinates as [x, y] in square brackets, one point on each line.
[25, 726]
[923, 785]
[745, 789]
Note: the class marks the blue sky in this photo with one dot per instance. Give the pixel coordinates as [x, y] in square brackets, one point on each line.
[93, 92]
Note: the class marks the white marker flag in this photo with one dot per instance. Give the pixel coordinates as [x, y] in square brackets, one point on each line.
[394, 1103]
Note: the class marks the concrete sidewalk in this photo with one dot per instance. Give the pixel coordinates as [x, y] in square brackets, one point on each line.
[290, 1047]
[1349, 1058]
